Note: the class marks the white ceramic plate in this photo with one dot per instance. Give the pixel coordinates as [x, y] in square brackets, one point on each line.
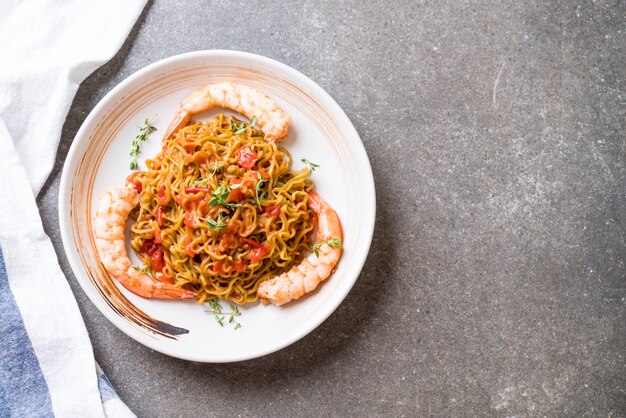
[98, 159]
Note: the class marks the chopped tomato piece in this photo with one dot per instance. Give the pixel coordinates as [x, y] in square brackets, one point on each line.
[240, 266]
[259, 253]
[272, 210]
[252, 242]
[236, 195]
[196, 190]
[156, 255]
[157, 236]
[157, 261]
[189, 247]
[228, 241]
[159, 216]
[247, 158]
[161, 195]
[190, 219]
[218, 267]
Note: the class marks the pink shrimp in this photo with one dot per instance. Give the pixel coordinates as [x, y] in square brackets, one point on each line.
[248, 101]
[314, 269]
[109, 224]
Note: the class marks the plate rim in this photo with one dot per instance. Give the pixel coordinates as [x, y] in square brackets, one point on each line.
[64, 212]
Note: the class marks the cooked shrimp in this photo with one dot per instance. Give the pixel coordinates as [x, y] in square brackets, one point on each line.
[109, 223]
[314, 269]
[248, 101]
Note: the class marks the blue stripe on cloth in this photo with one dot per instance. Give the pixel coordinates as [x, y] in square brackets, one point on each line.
[106, 388]
[23, 389]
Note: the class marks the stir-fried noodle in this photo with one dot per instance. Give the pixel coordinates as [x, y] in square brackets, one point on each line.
[220, 211]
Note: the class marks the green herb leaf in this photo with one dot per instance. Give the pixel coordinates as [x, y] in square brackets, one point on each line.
[238, 128]
[259, 195]
[219, 223]
[313, 166]
[220, 195]
[144, 131]
[220, 315]
[335, 243]
[215, 304]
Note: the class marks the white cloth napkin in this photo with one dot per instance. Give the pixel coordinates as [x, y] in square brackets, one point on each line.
[47, 49]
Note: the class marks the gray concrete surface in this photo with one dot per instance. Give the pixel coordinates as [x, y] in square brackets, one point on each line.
[495, 285]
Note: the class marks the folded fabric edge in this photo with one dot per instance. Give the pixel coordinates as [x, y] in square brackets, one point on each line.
[113, 405]
[48, 309]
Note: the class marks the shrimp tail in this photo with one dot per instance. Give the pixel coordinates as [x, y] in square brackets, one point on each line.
[180, 119]
[314, 269]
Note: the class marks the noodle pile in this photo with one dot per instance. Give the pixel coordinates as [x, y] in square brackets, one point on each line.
[220, 211]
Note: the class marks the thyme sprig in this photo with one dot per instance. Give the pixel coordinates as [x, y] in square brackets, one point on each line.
[214, 171]
[238, 128]
[220, 195]
[144, 131]
[335, 243]
[219, 223]
[312, 165]
[220, 315]
[257, 190]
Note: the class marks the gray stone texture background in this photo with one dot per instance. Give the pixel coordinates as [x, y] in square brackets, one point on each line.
[495, 284]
